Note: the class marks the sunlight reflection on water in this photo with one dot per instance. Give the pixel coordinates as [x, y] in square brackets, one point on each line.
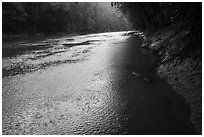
[77, 98]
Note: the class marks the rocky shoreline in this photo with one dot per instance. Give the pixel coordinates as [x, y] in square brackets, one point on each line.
[183, 73]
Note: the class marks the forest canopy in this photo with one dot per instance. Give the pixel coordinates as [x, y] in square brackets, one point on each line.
[57, 17]
[151, 16]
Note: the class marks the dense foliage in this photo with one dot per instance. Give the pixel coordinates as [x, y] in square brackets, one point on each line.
[70, 17]
[153, 15]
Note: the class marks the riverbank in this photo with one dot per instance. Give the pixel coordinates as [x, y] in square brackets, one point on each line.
[180, 66]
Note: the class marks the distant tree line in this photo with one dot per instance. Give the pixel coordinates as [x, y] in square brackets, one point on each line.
[55, 17]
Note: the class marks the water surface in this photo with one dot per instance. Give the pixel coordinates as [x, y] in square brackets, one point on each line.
[88, 84]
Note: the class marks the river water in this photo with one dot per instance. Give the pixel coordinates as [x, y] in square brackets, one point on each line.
[87, 84]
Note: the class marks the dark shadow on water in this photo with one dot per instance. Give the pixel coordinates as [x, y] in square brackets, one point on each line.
[40, 50]
[45, 53]
[22, 69]
[150, 107]
[14, 51]
[69, 39]
[80, 43]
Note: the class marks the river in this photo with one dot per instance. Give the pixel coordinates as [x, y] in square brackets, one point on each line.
[88, 84]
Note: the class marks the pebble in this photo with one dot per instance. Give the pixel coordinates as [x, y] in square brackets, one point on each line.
[38, 116]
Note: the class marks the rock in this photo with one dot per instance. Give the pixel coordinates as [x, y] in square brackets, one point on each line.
[145, 45]
[136, 74]
[131, 33]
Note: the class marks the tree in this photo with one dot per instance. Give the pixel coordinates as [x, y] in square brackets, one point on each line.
[153, 16]
[57, 17]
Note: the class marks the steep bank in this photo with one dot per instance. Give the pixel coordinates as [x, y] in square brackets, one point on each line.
[180, 65]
